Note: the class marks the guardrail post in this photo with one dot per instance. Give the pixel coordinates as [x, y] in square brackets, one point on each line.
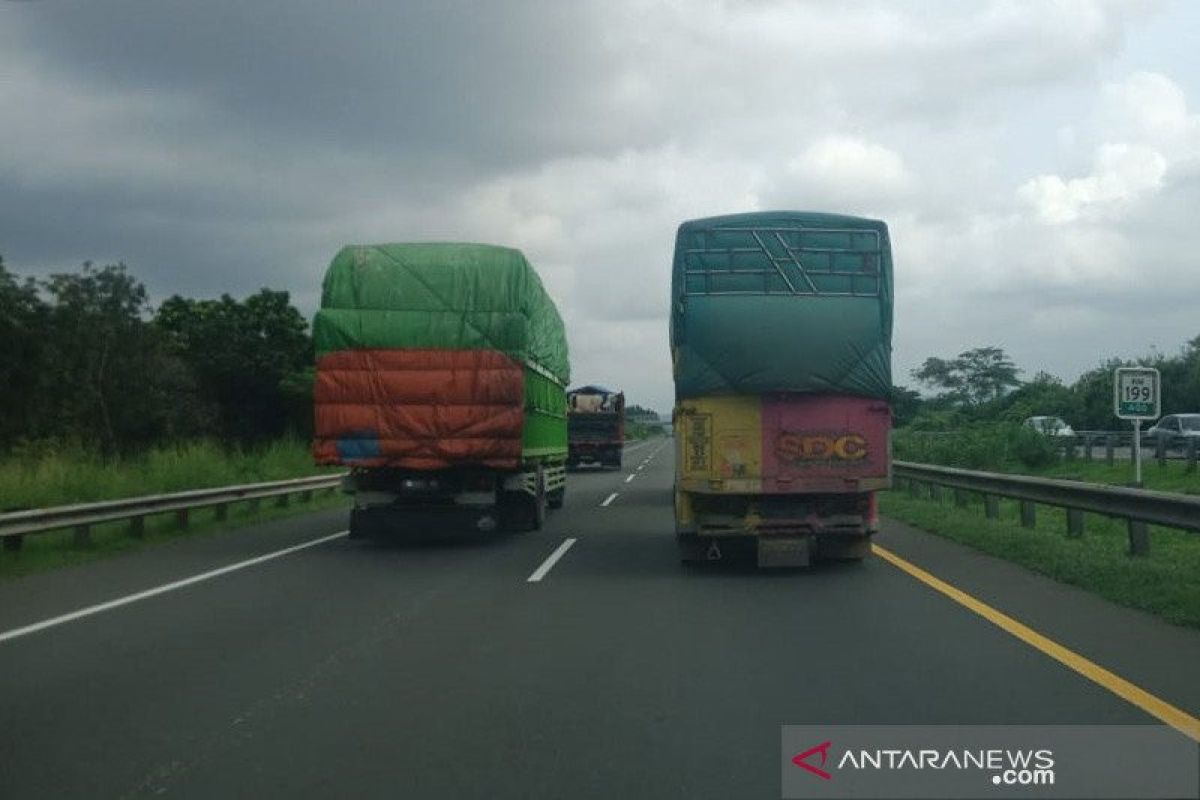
[914, 488]
[1109, 450]
[1192, 447]
[960, 498]
[221, 512]
[306, 496]
[1160, 450]
[991, 506]
[255, 504]
[182, 518]
[1028, 514]
[1074, 523]
[1139, 538]
[83, 536]
[137, 527]
[935, 493]
[12, 543]
[282, 501]
[1087, 448]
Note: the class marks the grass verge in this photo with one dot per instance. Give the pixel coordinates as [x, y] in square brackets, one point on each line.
[1171, 477]
[44, 475]
[1165, 583]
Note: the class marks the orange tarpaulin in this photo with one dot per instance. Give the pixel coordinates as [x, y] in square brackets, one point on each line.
[418, 409]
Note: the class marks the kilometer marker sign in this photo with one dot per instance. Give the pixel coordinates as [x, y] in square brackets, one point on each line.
[1136, 393]
[1137, 396]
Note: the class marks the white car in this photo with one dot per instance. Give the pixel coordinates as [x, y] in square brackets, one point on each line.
[1049, 426]
[1175, 428]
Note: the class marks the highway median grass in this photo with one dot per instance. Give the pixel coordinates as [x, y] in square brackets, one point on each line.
[1165, 583]
[1173, 476]
[44, 476]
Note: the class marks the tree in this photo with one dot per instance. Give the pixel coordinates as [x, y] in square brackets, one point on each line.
[906, 404]
[107, 377]
[1045, 395]
[248, 357]
[972, 378]
[23, 329]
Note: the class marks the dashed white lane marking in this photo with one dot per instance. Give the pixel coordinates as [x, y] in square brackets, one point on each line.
[609, 499]
[166, 587]
[549, 563]
[631, 477]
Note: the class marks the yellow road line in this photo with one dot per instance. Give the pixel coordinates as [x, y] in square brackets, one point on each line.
[1178, 719]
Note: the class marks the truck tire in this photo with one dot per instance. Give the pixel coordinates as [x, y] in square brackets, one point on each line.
[521, 511]
[556, 498]
[539, 501]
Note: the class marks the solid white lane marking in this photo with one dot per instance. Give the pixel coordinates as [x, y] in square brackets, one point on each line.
[611, 497]
[549, 563]
[166, 587]
[631, 477]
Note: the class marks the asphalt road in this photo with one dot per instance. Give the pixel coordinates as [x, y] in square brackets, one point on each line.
[356, 669]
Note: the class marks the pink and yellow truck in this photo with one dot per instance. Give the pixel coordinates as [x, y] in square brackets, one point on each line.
[781, 344]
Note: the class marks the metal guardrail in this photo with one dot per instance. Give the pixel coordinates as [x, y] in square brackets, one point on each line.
[1139, 507]
[18, 524]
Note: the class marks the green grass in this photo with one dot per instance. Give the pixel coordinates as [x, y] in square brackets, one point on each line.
[48, 476]
[1173, 477]
[1165, 583]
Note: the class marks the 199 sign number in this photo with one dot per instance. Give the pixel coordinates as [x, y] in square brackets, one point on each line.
[1135, 393]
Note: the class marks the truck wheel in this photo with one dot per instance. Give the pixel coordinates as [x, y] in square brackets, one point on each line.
[556, 498]
[520, 511]
[539, 502]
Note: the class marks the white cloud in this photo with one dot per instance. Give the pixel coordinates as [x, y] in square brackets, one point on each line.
[1123, 174]
[847, 171]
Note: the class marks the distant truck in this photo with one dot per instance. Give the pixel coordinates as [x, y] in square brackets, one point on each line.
[781, 328]
[595, 426]
[441, 384]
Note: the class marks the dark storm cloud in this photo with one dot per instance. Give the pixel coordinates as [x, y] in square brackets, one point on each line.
[224, 146]
[265, 124]
[492, 83]
[435, 77]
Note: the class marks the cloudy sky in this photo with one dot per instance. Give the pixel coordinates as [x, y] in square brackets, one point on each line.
[1038, 162]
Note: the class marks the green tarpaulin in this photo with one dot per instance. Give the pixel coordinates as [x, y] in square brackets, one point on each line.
[782, 301]
[452, 296]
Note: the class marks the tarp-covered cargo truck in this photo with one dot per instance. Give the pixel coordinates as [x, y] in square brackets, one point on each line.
[781, 330]
[440, 383]
[595, 426]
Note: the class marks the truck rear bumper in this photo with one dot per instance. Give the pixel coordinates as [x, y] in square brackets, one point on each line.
[782, 531]
[776, 550]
